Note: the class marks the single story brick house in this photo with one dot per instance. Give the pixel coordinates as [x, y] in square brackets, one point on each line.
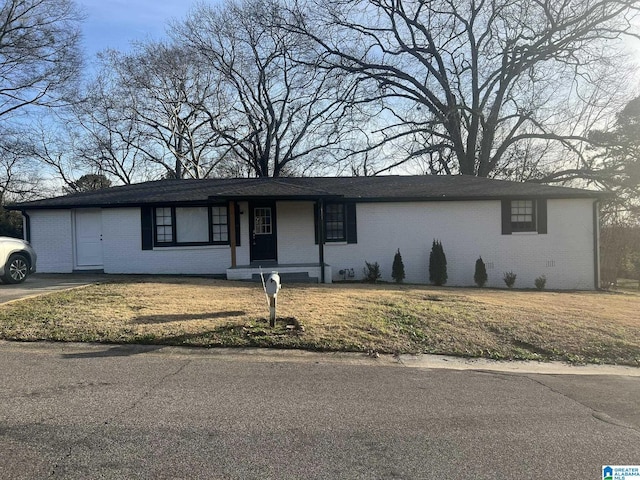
[323, 228]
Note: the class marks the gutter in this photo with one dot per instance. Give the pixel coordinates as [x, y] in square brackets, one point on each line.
[292, 197]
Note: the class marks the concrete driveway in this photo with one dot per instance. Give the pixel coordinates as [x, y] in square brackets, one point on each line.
[42, 283]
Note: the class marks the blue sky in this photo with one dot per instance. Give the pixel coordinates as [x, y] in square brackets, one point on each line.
[116, 23]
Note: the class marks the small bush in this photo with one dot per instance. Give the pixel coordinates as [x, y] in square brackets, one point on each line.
[397, 270]
[509, 279]
[372, 272]
[10, 223]
[437, 264]
[480, 275]
[540, 282]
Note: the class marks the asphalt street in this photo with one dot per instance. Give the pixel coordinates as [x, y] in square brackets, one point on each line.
[83, 412]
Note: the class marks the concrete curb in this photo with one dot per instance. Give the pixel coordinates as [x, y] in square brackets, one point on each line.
[430, 362]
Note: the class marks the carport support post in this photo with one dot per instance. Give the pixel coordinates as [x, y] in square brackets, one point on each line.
[321, 238]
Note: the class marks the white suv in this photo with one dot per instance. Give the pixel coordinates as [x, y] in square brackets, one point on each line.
[17, 260]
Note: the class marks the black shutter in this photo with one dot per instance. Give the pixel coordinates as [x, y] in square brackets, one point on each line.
[352, 227]
[146, 220]
[316, 225]
[506, 217]
[236, 222]
[541, 212]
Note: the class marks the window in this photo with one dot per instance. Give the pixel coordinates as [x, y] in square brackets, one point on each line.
[192, 225]
[339, 222]
[164, 225]
[524, 215]
[219, 224]
[334, 222]
[262, 221]
[200, 225]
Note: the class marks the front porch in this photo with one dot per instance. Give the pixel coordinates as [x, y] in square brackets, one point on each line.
[289, 272]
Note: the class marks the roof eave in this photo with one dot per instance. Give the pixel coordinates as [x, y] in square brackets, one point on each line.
[569, 194]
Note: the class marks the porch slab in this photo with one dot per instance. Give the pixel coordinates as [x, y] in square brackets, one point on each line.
[290, 272]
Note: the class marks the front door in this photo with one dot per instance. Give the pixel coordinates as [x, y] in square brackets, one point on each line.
[88, 238]
[262, 225]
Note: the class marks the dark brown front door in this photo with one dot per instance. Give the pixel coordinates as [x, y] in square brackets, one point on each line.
[262, 225]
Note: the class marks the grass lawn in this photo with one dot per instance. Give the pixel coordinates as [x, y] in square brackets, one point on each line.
[598, 327]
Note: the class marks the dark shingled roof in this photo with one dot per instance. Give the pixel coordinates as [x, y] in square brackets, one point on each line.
[382, 188]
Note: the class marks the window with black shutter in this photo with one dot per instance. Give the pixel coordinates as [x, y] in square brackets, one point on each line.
[524, 215]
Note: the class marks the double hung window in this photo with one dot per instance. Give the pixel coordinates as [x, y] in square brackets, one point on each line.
[339, 222]
[334, 222]
[192, 225]
[524, 215]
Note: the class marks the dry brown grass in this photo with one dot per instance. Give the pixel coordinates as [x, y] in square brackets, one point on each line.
[572, 326]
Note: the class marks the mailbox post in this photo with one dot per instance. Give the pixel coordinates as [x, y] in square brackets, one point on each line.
[272, 287]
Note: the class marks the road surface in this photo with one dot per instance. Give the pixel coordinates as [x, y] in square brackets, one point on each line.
[117, 412]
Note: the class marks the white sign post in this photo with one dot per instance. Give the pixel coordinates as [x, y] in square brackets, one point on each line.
[271, 287]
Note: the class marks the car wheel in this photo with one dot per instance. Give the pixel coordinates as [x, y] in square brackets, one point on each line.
[16, 269]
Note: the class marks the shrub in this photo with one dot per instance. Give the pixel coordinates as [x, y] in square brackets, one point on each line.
[509, 278]
[540, 282]
[480, 275]
[372, 272]
[10, 223]
[397, 270]
[437, 264]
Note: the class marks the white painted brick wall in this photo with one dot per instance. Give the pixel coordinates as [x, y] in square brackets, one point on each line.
[242, 251]
[51, 237]
[296, 233]
[468, 230]
[122, 243]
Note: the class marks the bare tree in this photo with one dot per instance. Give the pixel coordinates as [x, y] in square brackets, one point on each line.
[73, 151]
[276, 112]
[612, 164]
[140, 117]
[19, 179]
[39, 53]
[104, 133]
[17, 182]
[50, 150]
[474, 85]
[165, 88]
[39, 65]
[88, 183]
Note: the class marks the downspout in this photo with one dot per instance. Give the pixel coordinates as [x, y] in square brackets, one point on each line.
[26, 226]
[321, 239]
[596, 244]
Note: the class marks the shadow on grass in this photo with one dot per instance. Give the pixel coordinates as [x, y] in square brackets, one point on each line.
[257, 333]
[162, 318]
